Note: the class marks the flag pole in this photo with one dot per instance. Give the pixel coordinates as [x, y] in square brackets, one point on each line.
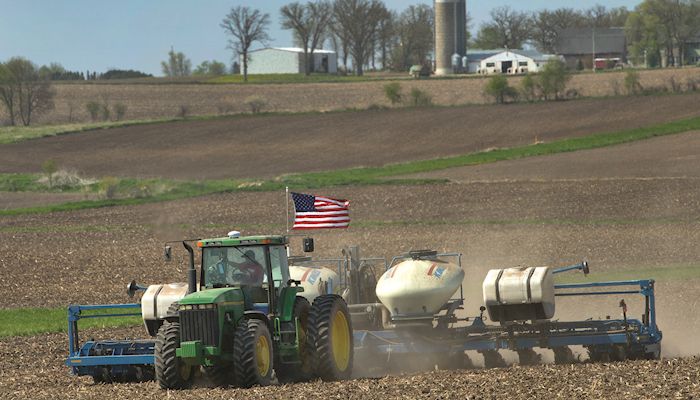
[287, 207]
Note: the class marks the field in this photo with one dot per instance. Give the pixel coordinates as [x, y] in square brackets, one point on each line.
[632, 211]
[166, 100]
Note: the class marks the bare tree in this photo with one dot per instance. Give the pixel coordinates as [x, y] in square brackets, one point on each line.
[358, 21]
[546, 26]
[508, 28]
[23, 91]
[309, 24]
[415, 29]
[245, 26]
[177, 65]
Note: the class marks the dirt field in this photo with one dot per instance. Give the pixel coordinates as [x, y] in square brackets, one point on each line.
[638, 208]
[43, 376]
[158, 101]
[235, 148]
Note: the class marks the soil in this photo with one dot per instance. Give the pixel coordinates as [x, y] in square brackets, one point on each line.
[269, 146]
[638, 208]
[145, 101]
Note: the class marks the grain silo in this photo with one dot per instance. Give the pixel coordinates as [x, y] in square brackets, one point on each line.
[450, 33]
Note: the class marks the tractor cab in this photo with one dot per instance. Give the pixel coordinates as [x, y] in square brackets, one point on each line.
[256, 264]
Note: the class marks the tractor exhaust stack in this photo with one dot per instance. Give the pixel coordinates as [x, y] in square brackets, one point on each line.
[191, 272]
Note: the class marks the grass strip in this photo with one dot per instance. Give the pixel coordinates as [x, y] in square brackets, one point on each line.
[35, 321]
[380, 175]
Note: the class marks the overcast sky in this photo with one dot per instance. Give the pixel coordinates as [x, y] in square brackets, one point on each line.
[137, 34]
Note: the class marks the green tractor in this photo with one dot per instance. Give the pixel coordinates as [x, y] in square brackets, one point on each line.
[245, 320]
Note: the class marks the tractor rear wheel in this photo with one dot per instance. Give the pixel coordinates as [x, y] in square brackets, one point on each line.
[171, 371]
[295, 372]
[330, 339]
[252, 354]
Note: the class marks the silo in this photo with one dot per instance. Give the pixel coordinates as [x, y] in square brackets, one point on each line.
[450, 33]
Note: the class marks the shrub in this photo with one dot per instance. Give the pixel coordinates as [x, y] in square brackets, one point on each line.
[392, 91]
[224, 108]
[674, 86]
[553, 79]
[119, 111]
[93, 108]
[500, 90]
[420, 98]
[49, 168]
[632, 85]
[104, 109]
[109, 187]
[529, 88]
[256, 104]
[183, 111]
[579, 65]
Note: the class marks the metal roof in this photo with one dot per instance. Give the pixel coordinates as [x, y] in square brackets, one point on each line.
[295, 50]
[580, 41]
[480, 55]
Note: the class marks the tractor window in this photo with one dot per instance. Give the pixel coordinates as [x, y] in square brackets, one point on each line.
[231, 266]
[280, 269]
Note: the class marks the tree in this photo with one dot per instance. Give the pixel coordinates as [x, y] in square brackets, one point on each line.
[500, 90]
[508, 28]
[23, 91]
[177, 65]
[546, 26]
[309, 23]
[553, 79]
[211, 68]
[357, 22]
[245, 26]
[414, 31]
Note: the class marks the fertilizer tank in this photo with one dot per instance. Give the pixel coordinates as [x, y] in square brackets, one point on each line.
[519, 294]
[315, 281]
[417, 289]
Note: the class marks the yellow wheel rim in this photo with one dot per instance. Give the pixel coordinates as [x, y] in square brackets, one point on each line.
[340, 338]
[262, 355]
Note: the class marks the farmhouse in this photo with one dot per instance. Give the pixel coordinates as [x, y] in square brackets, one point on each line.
[290, 60]
[511, 62]
[581, 46]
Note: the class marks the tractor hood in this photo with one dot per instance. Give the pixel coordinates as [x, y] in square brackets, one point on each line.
[214, 296]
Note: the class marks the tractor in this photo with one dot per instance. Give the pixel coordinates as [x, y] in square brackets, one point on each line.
[243, 321]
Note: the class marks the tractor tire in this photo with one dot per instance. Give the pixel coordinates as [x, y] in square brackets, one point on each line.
[289, 373]
[493, 359]
[252, 354]
[330, 338]
[171, 372]
[220, 376]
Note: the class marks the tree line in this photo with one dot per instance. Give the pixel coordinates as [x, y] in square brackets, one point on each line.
[367, 33]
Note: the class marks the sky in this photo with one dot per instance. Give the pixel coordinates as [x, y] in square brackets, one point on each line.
[98, 35]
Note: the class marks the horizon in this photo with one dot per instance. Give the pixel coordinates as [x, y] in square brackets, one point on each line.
[82, 35]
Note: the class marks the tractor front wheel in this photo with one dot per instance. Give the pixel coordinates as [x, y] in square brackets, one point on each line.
[329, 338]
[171, 371]
[252, 354]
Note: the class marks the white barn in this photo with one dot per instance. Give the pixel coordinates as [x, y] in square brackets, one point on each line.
[290, 60]
[514, 62]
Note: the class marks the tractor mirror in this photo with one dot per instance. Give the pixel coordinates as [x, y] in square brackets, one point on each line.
[308, 245]
[168, 253]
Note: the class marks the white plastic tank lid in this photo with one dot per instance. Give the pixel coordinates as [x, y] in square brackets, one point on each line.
[234, 234]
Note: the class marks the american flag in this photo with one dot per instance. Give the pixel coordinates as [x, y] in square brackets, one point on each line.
[317, 212]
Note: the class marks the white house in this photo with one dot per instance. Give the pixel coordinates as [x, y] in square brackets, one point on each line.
[514, 62]
[290, 60]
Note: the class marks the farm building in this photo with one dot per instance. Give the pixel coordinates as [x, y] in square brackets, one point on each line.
[290, 60]
[581, 45]
[510, 62]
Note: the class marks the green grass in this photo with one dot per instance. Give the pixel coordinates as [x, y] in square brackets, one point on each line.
[13, 134]
[666, 274]
[389, 174]
[34, 321]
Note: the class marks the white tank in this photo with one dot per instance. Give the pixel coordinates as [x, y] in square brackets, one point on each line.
[418, 288]
[157, 299]
[315, 280]
[519, 294]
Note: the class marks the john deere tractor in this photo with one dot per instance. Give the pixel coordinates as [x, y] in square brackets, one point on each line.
[243, 319]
